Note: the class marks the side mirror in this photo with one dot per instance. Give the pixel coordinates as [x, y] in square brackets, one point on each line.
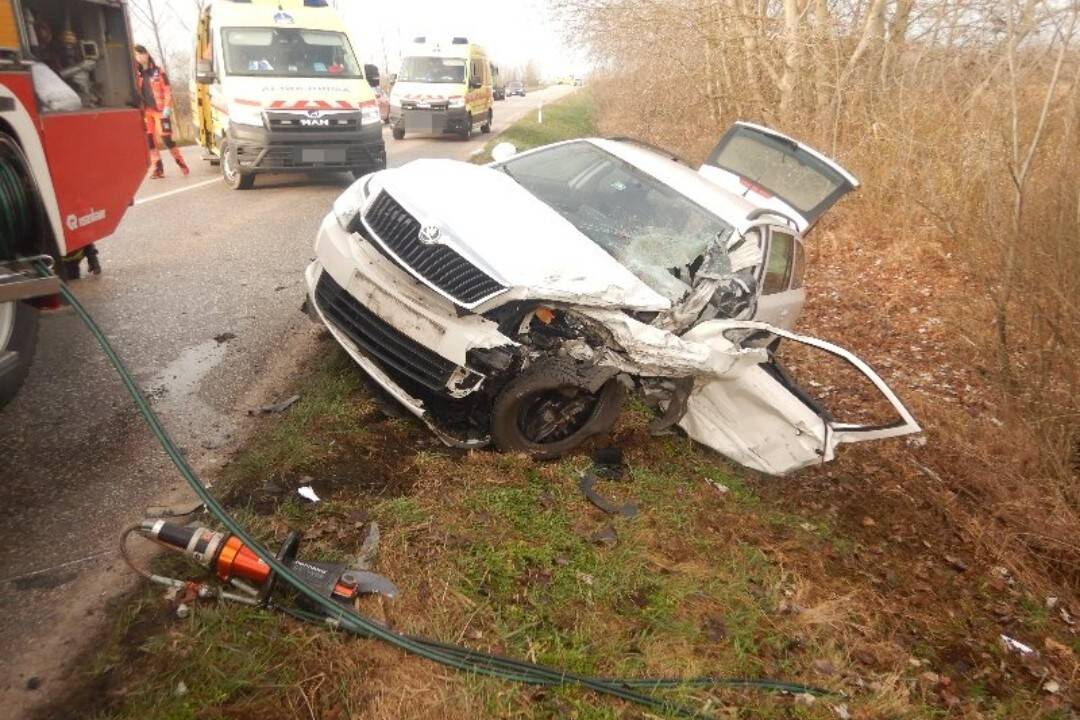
[503, 151]
[204, 73]
[371, 72]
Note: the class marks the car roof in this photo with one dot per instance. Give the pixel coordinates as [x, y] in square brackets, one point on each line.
[729, 206]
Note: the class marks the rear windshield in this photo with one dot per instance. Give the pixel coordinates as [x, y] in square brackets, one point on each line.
[432, 70]
[797, 177]
[289, 52]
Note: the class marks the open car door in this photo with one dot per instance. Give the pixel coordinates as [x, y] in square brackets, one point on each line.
[759, 418]
[777, 173]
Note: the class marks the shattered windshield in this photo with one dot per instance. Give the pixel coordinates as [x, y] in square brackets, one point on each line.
[650, 228]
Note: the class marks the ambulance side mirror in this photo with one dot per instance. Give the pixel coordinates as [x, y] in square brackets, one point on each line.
[371, 72]
[204, 73]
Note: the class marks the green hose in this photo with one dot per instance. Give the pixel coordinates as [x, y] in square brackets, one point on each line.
[450, 655]
[16, 217]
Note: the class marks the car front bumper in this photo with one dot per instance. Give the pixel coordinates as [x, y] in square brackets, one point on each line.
[261, 150]
[406, 337]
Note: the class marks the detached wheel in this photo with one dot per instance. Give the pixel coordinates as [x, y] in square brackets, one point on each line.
[486, 127]
[230, 170]
[18, 338]
[547, 411]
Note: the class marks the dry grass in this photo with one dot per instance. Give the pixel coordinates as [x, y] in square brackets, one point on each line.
[952, 269]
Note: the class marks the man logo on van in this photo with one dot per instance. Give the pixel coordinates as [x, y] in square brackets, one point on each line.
[314, 119]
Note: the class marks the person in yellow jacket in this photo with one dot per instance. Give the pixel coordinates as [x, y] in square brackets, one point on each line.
[155, 94]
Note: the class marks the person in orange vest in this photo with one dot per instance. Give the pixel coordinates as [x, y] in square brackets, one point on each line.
[155, 95]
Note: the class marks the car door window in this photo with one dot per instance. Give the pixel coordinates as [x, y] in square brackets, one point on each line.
[778, 265]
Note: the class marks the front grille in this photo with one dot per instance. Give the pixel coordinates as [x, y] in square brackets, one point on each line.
[301, 122]
[387, 347]
[412, 104]
[397, 231]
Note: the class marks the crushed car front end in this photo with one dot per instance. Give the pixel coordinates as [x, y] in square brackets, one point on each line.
[524, 330]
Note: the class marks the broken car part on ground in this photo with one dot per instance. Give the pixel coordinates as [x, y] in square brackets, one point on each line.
[591, 267]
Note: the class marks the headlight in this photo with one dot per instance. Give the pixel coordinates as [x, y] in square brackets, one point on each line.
[369, 112]
[456, 101]
[244, 115]
[350, 202]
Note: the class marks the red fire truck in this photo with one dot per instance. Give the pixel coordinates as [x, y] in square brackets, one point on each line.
[72, 151]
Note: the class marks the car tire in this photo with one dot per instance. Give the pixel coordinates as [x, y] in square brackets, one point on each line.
[549, 388]
[466, 134]
[18, 333]
[398, 133]
[230, 171]
[486, 127]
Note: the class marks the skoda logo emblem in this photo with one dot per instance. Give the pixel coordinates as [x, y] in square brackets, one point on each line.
[429, 234]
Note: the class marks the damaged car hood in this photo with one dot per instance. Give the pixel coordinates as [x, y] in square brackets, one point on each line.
[519, 241]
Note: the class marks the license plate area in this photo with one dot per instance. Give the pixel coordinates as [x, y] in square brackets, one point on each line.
[322, 155]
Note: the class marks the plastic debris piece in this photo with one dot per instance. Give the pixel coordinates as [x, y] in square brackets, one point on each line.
[588, 480]
[308, 493]
[1016, 645]
[275, 408]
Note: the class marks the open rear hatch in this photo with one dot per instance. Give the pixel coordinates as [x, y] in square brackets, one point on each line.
[760, 418]
[777, 173]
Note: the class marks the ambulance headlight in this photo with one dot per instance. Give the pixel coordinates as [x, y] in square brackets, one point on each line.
[369, 113]
[349, 203]
[457, 101]
[245, 115]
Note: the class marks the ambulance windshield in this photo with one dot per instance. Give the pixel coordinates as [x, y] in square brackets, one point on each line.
[289, 52]
[432, 70]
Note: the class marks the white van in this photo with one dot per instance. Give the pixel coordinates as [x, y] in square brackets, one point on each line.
[442, 88]
[278, 88]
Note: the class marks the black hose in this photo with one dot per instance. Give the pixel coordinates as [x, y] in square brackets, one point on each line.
[449, 655]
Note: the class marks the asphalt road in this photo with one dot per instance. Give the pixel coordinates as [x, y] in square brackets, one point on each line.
[192, 261]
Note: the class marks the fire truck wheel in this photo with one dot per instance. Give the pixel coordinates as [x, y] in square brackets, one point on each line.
[230, 170]
[18, 334]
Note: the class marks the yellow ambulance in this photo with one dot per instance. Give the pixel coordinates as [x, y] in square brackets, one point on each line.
[278, 88]
[442, 87]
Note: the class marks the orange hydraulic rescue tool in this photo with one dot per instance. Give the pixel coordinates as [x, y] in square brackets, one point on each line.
[231, 560]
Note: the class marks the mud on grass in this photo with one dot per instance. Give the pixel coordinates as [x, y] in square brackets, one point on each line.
[720, 574]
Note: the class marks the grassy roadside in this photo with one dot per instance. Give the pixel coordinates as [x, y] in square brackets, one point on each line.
[718, 574]
[570, 116]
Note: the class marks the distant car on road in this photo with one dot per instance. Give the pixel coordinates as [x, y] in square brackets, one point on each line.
[515, 87]
[606, 264]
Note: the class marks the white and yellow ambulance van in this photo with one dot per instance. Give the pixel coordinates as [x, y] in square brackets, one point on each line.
[278, 88]
[442, 87]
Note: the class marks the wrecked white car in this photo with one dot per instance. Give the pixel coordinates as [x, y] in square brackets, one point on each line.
[515, 303]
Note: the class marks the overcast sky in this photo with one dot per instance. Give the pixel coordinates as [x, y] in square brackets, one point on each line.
[512, 31]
